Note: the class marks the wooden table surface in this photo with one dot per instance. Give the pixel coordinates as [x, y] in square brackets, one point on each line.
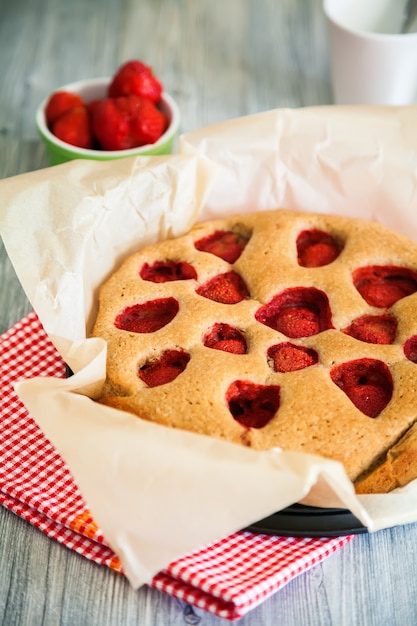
[220, 60]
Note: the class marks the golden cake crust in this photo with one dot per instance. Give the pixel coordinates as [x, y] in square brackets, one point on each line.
[314, 413]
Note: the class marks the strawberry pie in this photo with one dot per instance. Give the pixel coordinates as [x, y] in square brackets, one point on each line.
[274, 329]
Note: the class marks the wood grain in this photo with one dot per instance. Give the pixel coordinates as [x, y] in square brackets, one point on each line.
[220, 61]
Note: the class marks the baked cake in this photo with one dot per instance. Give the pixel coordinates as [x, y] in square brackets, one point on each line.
[273, 329]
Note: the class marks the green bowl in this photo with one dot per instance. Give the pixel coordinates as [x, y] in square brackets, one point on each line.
[60, 152]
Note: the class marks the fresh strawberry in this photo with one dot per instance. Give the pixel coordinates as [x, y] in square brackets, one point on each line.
[134, 77]
[74, 128]
[92, 105]
[128, 122]
[110, 119]
[59, 103]
[149, 123]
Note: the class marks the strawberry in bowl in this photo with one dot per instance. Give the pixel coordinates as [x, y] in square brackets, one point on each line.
[125, 115]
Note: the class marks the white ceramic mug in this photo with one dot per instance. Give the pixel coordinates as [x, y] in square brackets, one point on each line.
[371, 62]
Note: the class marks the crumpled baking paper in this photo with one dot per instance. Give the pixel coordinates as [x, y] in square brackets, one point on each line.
[156, 492]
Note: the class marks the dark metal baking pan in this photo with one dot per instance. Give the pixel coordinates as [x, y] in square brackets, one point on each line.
[299, 520]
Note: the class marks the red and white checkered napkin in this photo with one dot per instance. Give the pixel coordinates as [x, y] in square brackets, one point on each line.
[227, 578]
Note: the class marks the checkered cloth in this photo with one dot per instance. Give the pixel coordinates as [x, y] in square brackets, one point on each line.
[227, 578]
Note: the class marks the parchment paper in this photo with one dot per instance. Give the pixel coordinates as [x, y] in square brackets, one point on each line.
[156, 492]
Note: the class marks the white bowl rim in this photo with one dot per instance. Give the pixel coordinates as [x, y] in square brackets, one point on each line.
[77, 86]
